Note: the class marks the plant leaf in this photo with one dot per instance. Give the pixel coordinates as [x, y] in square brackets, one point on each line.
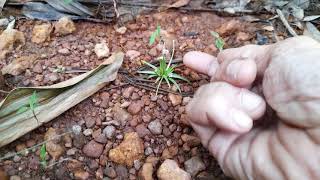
[33, 100]
[219, 43]
[152, 38]
[166, 78]
[147, 72]
[158, 31]
[22, 109]
[151, 76]
[176, 76]
[214, 34]
[150, 65]
[43, 152]
[175, 83]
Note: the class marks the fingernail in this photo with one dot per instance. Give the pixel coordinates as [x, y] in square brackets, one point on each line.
[233, 69]
[250, 101]
[241, 119]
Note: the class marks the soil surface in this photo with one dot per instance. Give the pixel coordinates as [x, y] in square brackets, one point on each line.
[107, 118]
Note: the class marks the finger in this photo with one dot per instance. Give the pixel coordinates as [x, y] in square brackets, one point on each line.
[201, 62]
[224, 106]
[261, 55]
[235, 71]
[241, 73]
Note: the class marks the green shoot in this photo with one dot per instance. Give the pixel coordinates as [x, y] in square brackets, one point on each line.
[67, 1]
[219, 42]
[43, 154]
[154, 35]
[33, 103]
[165, 72]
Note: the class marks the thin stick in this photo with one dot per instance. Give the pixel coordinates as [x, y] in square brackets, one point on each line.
[169, 64]
[286, 24]
[115, 8]
[30, 148]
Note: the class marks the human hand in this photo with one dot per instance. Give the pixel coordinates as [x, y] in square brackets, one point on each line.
[223, 112]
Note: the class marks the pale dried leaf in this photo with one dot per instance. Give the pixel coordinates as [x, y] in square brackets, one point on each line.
[311, 18]
[268, 28]
[312, 31]
[180, 3]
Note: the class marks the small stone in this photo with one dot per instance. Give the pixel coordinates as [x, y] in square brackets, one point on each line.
[74, 164]
[16, 158]
[102, 50]
[169, 170]
[132, 54]
[153, 52]
[242, 36]
[186, 100]
[163, 105]
[4, 22]
[192, 141]
[52, 77]
[37, 68]
[9, 39]
[127, 92]
[41, 33]
[14, 177]
[125, 104]
[93, 149]
[72, 151]
[128, 151]
[53, 147]
[93, 164]
[194, 165]
[137, 164]
[64, 26]
[76, 129]
[31, 142]
[146, 118]
[135, 107]
[110, 171]
[146, 172]
[105, 97]
[121, 30]
[142, 130]
[122, 172]
[90, 122]
[170, 152]
[175, 99]
[155, 127]
[148, 151]
[64, 51]
[121, 115]
[109, 131]
[81, 175]
[87, 132]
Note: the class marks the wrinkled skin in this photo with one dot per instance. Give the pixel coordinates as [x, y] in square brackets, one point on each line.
[224, 111]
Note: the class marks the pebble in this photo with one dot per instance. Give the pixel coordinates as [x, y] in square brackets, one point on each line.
[121, 115]
[121, 30]
[90, 122]
[186, 100]
[4, 22]
[142, 130]
[148, 151]
[41, 33]
[53, 147]
[81, 175]
[64, 51]
[192, 141]
[16, 158]
[137, 164]
[128, 92]
[194, 165]
[102, 50]
[132, 54]
[72, 151]
[87, 132]
[175, 99]
[169, 170]
[146, 172]
[155, 127]
[135, 107]
[112, 122]
[64, 26]
[76, 129]
[109, 131]
[93, 149]
[146, 118]
[130, 149]
[125, 104]
[110, 171]
[122, 172]
[153, 52]
[163, 105]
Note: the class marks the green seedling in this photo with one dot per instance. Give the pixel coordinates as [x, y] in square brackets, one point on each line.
[33, 103]
[163, 72]
[154, 35]
[219, 42]
[43, 154]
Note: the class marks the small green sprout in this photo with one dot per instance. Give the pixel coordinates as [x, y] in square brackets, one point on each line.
[164, 72]
[33, 103]
[219, 42]
[43, 154]
[154, 35]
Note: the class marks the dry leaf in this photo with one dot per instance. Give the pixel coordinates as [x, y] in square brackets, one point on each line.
[311, 18]
[180, 3]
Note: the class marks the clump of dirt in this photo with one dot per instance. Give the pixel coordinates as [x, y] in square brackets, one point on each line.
[109, 116]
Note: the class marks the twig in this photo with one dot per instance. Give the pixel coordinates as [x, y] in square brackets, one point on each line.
[30, 148]
[286, 24]
[115, 8]
[60, 161]
[4, 92]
